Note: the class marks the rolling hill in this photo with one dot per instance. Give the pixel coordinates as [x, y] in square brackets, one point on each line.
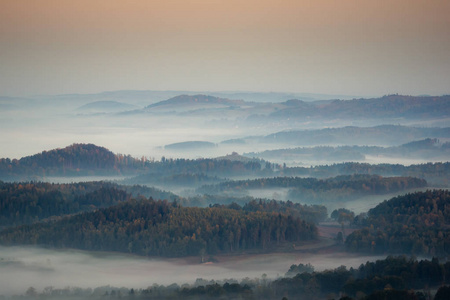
[193, 102]
[74, 160]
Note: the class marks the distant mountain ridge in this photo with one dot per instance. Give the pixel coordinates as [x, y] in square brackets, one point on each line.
[431, 149]
[352, 135]
[389, 106]
[196, 99]
[141, 97]
[382, 135]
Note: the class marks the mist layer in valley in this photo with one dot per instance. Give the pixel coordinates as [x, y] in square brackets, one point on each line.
[151, 123]
[41, 268]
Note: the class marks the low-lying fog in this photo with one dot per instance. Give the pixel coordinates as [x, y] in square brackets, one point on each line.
[137, 140]
[280, 194]
[360, 205]
[40, 268]
[364, 204]
[32, 128]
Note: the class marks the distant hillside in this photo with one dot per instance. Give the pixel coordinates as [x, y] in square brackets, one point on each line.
[351, 135]
[424, 144]
[105, 107]
[275, 97]
[391, 106]
[424, 149]
[77, 159]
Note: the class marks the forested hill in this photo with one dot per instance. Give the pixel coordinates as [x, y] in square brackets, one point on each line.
[77, 159]
[89, 159]
[29, 202]
[417, 223]
[149, 227]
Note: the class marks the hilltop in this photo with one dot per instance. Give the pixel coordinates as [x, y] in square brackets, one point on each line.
[76, 159]
[194, 100]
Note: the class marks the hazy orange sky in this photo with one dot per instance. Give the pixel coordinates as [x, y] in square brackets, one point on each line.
[352, 47]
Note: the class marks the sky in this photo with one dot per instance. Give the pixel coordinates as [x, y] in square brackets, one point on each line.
[347, 47]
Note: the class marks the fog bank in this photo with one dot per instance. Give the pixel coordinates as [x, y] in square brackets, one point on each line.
[42, 268]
